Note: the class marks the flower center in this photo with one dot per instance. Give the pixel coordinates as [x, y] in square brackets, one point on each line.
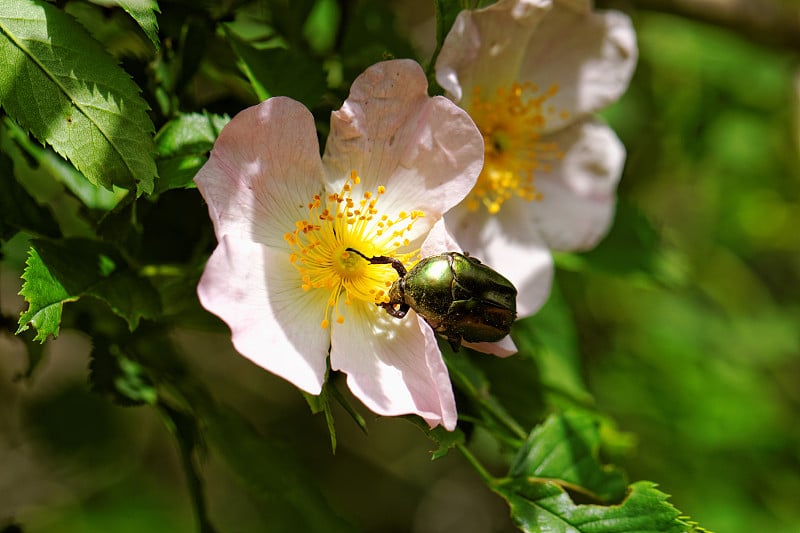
[319, 246]
[511, 122]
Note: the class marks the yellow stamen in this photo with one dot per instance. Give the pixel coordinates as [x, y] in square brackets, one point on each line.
[319, 246]
[511, 122]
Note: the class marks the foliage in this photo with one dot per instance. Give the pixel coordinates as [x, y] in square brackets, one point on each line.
[680, 328]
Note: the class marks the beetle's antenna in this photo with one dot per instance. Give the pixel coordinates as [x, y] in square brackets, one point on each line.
[359, 253]
[383, 260]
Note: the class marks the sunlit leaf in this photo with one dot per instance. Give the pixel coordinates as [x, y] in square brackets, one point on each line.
[566, 448]
[559, 465]
[62, 86]
[544, 506]
[144, 13]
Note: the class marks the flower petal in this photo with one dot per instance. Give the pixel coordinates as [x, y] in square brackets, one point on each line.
[264, 165]
[578, 196]
[426, 151]
[439, 241]
[394, 366]
[255, 290]
[485, 47]
[590, 57]
[505, 243]
[502, 348]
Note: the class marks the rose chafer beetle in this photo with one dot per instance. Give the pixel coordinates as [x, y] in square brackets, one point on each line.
[457, 295]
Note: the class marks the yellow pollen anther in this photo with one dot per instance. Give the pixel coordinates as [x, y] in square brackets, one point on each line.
[318, 247]
[511, 122]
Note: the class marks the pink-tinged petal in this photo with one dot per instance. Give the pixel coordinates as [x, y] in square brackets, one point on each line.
[427, 152]
[485, 47]
[264, 165]
[512, 247]
[394, 366]
[256, 291]
[590, 57]
[502, 348]
[439, 241]
[579, 195]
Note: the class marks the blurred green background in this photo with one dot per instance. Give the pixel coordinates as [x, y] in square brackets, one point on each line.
[704, 367]
[687, 316]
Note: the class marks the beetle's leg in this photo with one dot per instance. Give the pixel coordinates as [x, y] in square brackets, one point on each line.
[397, 312]
[383, 260]
[455, 342]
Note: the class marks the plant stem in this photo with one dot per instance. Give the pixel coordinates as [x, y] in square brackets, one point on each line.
[472, 460]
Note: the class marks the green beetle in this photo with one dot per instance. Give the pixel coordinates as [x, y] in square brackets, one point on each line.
[457, 295]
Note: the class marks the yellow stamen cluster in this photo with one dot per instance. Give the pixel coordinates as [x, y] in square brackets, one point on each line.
[511, 122]
[337, 222]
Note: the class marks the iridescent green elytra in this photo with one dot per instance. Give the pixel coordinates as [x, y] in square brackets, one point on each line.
[457, 295]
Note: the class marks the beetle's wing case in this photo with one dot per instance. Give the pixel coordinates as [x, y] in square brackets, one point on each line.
[476, 280]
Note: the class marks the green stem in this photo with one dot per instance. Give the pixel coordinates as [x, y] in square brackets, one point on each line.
[184, 430]
[505, 419]
[495, 411]
[473, 461]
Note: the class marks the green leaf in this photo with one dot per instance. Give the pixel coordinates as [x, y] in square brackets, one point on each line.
[445, 440]
[183, 145]
[67, 270]
[559, 464]
[144, 13]
[566, 449]
[322, 404]
[280, 72]
[18, 210]
[322, 25]
[62, 86]
[537, 506]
